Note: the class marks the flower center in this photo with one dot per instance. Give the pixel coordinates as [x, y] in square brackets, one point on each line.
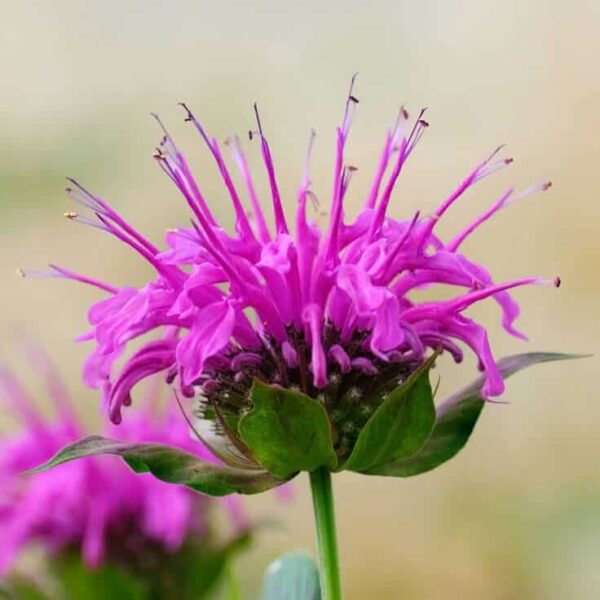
[357, 381]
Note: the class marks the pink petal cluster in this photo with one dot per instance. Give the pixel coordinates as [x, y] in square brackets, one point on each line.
[96, 506]
[321, 302]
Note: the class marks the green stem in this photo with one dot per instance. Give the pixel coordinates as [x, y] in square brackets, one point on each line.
[320, 483]
[233, 590]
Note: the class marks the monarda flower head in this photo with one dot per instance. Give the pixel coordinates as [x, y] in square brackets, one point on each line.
[300, 342]
[97, 514]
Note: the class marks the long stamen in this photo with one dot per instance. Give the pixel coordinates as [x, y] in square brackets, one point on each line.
[179, 181]
[417, 131]
[337, 207]
[99, 206]
[242, 163]
[346, 177]
[213, 146]
[407, 146]
[389, 263]
[77, 218]
[383, 163]
[132, 242]
[303, 232]
[175, 162]
[481, 171]
[351, 102]
[505, 200]
[62, 273]
[387, 194]
[499, 204]
[462, 302]
[280, 220]
[214, 247]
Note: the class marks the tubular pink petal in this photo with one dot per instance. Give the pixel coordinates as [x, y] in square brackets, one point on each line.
[330, 248]
[280, 221]
[476, 337]
[242, 222]
[152, 358]
[453, 245]
[107, 212]
[476, 175]
[240, 158]
[387, 333]
[321, 310]
[389, 188]
[313, 318]
[364, 365]
[290, 355]
[209, 335]
[61, 272]
[340, 356]
[381, 168]
[457, 305]
[175, 165]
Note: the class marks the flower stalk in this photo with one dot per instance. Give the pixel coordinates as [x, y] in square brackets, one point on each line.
[322, 495]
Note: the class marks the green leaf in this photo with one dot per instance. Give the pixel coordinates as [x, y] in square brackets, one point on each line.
[20, 588]
[287, 431]
[399, 427]
[108, 582]
[171, 465]
[194, 571]
[457, 417]
[294, 576]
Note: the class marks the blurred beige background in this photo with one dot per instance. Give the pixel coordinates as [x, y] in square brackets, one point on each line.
[517, 515]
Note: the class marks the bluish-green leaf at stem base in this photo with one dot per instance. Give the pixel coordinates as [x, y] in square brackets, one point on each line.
[294, 576]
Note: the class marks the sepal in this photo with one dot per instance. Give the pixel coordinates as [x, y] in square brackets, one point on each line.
[457, 417]
[400, 425]
[287, 431]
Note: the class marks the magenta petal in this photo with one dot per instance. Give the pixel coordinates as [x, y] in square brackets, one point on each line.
[312, 317]
[152, 358]
[309, 301]
[209, 335]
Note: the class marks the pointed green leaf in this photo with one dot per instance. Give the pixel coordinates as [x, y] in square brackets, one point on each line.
[399, 427]
[457, 417]
[294, 576]
[171, 465]
[107, 582]
[287, 431]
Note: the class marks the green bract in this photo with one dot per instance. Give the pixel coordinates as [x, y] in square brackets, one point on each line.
[399, 427]
[456, 418]
[286, 432]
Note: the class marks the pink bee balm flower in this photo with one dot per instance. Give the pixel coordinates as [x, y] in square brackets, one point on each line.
[328, 311]
[97, 507]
